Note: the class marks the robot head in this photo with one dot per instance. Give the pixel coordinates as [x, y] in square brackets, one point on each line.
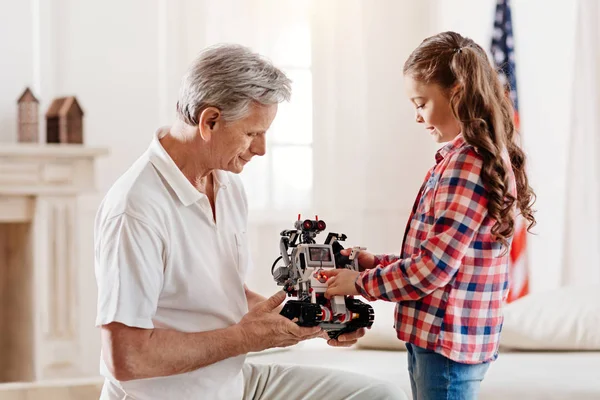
[309, 225]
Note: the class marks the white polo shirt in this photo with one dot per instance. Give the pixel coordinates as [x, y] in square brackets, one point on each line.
[161, 261]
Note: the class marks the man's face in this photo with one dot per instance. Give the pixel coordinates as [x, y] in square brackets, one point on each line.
[235, 143]
[432, 109]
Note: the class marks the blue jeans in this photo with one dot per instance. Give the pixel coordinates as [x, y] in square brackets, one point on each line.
[435, 377]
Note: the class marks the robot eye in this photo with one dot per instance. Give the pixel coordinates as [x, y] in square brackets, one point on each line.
[307, 224]
[321, 225]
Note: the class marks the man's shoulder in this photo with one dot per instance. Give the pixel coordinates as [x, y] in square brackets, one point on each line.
[137, 191]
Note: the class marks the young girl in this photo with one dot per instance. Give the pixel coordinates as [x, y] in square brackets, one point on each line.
[451, 277]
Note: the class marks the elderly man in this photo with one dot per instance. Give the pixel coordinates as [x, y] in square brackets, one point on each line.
[171, 254]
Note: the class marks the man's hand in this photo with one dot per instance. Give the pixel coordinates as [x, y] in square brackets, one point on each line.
[366, 260]
[340, 282]
[253, 298]
[347, 339]
[263, 328]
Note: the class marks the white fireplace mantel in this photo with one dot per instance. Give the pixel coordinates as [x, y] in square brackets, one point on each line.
[39, 185]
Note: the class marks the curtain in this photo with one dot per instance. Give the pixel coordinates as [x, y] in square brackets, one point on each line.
[582, 225]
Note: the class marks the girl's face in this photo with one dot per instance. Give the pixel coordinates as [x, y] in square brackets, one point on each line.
[432, 109]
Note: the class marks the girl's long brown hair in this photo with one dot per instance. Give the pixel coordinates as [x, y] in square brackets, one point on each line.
[481, 104]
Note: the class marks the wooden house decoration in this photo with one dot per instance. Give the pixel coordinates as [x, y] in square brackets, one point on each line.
[64, 121]
[28, 117]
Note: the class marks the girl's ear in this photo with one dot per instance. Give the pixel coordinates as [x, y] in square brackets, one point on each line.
[455, 89]
[209, 121]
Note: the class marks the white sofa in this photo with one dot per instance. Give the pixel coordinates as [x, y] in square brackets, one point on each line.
[514, 375]
[550, 349]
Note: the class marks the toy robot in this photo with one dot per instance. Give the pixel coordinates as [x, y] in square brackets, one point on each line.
[301, 277]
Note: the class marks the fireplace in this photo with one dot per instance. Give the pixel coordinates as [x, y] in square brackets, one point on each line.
[39, 185]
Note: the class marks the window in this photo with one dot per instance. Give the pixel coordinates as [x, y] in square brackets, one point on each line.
[283, 178]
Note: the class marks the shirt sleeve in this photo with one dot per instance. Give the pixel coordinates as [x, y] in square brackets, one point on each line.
[460, 205]
[129, 267]
[383, 260]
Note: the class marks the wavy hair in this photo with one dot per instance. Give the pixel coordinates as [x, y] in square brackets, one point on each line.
[480, 102]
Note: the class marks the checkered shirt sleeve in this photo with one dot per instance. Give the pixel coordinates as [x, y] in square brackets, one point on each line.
[458, 209]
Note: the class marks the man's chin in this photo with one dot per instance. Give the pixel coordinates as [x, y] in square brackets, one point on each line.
[237, 169]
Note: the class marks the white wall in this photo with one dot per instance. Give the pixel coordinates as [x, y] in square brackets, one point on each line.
[17, 55]
[366, 140]
[122, 61]
[369, 154]
[582, 215]
[544, 42]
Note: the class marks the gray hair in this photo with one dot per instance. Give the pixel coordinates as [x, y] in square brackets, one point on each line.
[230, 77]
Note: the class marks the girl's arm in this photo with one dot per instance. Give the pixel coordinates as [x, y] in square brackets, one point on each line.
[383, 260]
[459, 208]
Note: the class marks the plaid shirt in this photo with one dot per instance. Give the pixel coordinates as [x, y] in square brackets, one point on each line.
[452, 277]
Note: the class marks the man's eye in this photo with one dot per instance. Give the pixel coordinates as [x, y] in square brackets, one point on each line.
[420, 106]
[252, 134]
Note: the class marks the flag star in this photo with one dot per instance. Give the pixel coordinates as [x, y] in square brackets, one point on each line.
[499, 16]
[509, 42]
[497, 33]
[499, 56]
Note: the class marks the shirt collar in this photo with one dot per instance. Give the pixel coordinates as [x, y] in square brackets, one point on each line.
[449, 147]
[162, 161]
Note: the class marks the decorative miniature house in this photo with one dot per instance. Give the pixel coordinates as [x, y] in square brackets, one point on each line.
[28, 123]
[64, 121]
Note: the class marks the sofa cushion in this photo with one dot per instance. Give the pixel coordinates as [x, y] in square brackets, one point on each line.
[382, 335]
[563, 319]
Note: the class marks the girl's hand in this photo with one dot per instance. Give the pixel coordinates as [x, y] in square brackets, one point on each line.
[340, 282]
[366, 260]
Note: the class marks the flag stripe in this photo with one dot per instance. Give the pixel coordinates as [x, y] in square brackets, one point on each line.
[519, 241]
[504, 57]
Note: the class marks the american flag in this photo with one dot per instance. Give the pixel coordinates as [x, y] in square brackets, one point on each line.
[503, 54]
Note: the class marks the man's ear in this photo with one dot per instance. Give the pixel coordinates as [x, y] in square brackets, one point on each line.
[209, 121]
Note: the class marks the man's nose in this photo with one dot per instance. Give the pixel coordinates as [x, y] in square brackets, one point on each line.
[259, 146]
[418, 118]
